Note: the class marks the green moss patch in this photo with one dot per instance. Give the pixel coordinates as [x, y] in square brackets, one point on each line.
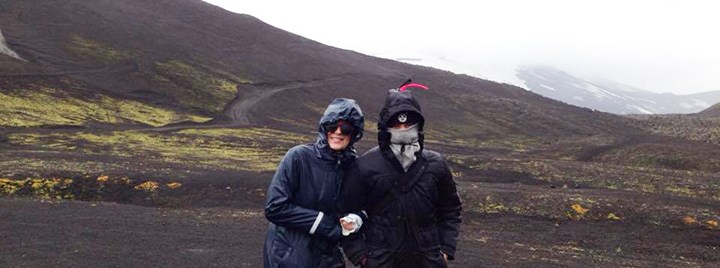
[90, 188]
[252, 149]
[48, 106]
[89, 48]
[196, 87]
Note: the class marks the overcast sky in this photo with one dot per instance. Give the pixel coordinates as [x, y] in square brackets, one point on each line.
[660, 45]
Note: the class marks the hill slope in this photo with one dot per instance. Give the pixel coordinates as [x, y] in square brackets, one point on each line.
[713, 111]
[187, 60]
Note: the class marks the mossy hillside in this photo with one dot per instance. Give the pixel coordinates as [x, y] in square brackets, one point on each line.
[253, 149]
[585, 205]
[560, 206]
[194, 85]
[666, 155]
[571, 174]
[511, 143]
[644, 168]
[48, 106]
[252, 136]
[20, 166]
[230, 77]
[54, 188]
[579, 148]
[705, 129]
[500, 131]
[89, 188]
[473, 119]
[196, 88]
[317, 108]
[91, 49]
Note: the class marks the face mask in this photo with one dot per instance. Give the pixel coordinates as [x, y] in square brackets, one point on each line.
[404, 144]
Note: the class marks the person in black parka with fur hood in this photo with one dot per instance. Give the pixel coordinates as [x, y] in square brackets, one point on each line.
[302, 198]
[411, 205]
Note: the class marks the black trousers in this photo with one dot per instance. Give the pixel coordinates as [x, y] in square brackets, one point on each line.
[380, 258]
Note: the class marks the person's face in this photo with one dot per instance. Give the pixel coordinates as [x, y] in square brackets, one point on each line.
[336, 139]
[400, 126]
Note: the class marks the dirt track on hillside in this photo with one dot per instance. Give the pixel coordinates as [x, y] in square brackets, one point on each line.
[239, 109]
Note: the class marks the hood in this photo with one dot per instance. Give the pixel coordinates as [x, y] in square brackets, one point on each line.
[397, 101]
[349, 111]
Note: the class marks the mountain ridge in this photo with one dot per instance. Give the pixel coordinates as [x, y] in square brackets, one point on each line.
[610, 96]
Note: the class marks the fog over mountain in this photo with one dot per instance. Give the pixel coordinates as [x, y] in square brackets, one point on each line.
[610, 96]
[599, 94]
[659, 46]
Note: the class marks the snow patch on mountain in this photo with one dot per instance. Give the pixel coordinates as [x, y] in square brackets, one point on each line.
[694, 103]
[4, 49]
[644, 100]
[615, 86]
[548, 87]
[640, 109]
[536, 74]
[599, 92]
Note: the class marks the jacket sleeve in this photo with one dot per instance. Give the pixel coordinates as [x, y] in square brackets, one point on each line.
[448, 213]
[353, 199]
[281, 209]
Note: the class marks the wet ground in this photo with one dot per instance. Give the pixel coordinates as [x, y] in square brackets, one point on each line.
[44, 233]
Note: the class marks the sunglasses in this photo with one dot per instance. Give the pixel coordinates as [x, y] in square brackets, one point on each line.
[345, 128]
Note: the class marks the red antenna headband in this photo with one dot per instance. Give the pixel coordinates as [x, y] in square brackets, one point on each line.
[409, 84]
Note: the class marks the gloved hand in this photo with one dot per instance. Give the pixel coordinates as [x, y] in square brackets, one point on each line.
[350, 224]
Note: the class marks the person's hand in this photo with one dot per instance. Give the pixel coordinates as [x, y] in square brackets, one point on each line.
[347, 225]
[350, 224]
[444, 256]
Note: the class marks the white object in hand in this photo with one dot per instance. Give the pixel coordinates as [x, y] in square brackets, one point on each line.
[356, 223]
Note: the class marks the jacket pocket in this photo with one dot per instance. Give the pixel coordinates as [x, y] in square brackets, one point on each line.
[428, 239]
[375, 237]
[281, 252]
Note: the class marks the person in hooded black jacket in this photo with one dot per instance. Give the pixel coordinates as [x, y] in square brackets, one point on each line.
[301, 204]
[407, 192]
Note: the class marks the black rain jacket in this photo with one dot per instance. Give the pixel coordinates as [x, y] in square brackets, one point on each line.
[422, 220]
[302, 198]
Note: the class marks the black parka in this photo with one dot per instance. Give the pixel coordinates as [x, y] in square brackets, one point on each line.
[302, 197]
[422, 220]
